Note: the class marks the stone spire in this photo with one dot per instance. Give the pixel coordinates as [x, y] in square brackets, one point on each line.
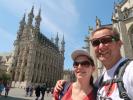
[63, 45]
[90, 29]
[52, 39]
[118, 9]
[98, 22]
[57, 40]
[31, 16]
[21, 27]
[38, 20]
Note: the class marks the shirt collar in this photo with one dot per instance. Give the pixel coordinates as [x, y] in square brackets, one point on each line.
[110, 73]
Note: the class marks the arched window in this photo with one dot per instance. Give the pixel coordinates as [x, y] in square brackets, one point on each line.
[125, 13]
[131, 37]
[130, 32]
[32, 80]
[13, 76]
[23, 77]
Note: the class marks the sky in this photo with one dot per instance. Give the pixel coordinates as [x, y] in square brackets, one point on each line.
[70, 18]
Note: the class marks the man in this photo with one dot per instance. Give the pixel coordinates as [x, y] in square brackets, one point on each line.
[37, 91]
[106, 44]
[43, 89]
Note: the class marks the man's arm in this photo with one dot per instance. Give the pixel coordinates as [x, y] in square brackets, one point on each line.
[58, 87]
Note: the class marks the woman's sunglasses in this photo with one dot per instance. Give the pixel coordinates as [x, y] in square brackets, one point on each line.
[82, 63]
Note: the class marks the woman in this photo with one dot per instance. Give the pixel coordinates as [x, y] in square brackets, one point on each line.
[82, 88]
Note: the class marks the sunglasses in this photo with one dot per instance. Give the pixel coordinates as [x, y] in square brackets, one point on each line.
[83, 63]
[105, 98]
[104, 40]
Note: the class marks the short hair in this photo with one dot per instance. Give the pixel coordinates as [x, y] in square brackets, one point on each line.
[112, 29]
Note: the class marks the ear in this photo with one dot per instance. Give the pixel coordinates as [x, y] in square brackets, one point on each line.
[120, 43]
[93, 68]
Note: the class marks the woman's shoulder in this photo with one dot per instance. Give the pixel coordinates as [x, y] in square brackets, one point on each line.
[91, 95]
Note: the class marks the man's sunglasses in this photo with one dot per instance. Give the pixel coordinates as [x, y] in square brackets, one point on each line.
[104, 40]
[83, 63]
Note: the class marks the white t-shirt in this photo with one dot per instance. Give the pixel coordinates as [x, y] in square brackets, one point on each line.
[127, 80]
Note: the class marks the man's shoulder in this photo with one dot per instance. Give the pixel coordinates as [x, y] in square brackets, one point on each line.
[130, 65]
[96, 83]
[127, 65]
[131, 62]
[129, 68]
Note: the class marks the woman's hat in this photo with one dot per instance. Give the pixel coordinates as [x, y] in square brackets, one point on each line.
[77, 53]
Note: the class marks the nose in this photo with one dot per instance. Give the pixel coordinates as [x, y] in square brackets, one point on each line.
[79, 66]
[101, 45]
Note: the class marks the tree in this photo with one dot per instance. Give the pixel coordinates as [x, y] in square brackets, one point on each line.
[5, 77]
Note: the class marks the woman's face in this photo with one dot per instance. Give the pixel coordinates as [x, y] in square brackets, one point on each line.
[82, 67]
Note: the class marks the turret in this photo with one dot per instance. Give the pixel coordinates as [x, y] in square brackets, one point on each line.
[30, 16]
[63, 45]
[57, 40]
[52, 39]
[98, 22]
[118, 10]
[38, 20]
[21, 27]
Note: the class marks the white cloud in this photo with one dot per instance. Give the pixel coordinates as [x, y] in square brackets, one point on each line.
[6, 40]
[69, 7]
[58, 7]
[57, 16]
[65, 10]
[17, 7]
[6, 35]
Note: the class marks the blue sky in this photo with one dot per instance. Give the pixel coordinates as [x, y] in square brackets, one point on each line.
[70, 18]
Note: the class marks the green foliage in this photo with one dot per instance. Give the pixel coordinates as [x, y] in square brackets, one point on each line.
[5, 77]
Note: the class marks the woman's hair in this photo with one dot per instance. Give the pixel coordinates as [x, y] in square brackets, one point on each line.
[91, 81]
[91, 61]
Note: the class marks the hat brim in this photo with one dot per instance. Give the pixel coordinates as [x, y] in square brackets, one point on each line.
[77, 53]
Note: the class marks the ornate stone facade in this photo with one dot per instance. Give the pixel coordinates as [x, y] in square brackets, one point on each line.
[37, 59]
[122, 20]
[69, 75]
[5, 63]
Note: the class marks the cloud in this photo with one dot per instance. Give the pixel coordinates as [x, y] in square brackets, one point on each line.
[57, 16]
[6, 35]
[69, 7]
[6, 40]
[16, 7]
[61, 14]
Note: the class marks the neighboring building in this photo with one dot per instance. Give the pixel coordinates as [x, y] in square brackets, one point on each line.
[5, 62]
[122, 20]
[69, 75]
[36, 59]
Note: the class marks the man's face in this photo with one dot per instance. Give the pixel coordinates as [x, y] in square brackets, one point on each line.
[105, 47]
